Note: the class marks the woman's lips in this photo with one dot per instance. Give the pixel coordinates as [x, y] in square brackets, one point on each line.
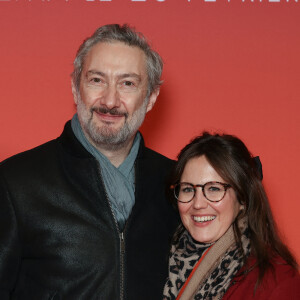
[203, 219]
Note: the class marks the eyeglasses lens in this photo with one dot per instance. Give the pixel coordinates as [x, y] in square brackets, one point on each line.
[184, 192]
[214, 191]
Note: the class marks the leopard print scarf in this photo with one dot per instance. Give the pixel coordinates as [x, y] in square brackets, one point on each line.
[213, 277]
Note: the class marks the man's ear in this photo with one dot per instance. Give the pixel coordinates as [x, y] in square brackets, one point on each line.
[74, 92]
[152, 99]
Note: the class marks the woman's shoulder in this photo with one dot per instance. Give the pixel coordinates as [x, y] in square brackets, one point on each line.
[280, 282]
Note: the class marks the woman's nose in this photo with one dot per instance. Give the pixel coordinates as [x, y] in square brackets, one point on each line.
[199, 200]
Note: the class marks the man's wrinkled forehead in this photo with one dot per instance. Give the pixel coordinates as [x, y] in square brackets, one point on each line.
[96, 48]
[121, 57]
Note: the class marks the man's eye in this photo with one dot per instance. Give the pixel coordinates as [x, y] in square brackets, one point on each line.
[127, 86]
[96, 80]
[128, 83]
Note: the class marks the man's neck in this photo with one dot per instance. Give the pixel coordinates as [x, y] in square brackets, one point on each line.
[116, 155]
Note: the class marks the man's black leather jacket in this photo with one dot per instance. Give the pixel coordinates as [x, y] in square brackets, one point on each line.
[58, 235]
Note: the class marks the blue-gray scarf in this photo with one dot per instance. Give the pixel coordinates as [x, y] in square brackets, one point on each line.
[118, 182]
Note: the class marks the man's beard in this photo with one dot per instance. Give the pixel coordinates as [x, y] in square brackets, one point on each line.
[104, 135]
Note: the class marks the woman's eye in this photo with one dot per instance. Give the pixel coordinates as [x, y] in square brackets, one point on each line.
[214, 189]
[187, 190]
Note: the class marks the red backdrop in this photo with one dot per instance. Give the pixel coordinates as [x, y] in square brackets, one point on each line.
[230, 65]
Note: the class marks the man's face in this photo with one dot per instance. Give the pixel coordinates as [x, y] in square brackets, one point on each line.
[111, 103]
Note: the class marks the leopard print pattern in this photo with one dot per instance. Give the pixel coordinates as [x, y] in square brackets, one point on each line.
[183, 258]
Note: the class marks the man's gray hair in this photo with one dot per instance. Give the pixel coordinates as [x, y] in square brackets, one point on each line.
[127, 35]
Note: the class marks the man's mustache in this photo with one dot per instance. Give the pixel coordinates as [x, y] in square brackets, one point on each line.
[112, 111]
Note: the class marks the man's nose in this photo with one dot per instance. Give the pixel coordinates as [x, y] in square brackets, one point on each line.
[199, 200]
[110, 97]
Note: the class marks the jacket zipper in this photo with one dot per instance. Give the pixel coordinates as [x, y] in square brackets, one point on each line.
[121, 237]
[122, 243]
[122, 255]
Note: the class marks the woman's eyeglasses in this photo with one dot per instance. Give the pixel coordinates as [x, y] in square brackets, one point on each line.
[213, 191]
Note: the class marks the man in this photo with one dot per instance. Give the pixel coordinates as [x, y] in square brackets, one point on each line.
[84, 216]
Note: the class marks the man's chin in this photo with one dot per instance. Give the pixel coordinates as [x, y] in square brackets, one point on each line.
[106, 135]
[108, 131]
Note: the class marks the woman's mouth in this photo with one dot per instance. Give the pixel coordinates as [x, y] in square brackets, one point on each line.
[203, 218]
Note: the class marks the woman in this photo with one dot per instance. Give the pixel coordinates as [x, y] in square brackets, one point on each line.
[227, 246]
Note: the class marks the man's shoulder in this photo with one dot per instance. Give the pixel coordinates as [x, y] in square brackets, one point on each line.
[43, 154]
[152, 154]
[36, 155]
[156, 158]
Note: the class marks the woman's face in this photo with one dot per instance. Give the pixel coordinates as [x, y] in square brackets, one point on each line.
[219, 215]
